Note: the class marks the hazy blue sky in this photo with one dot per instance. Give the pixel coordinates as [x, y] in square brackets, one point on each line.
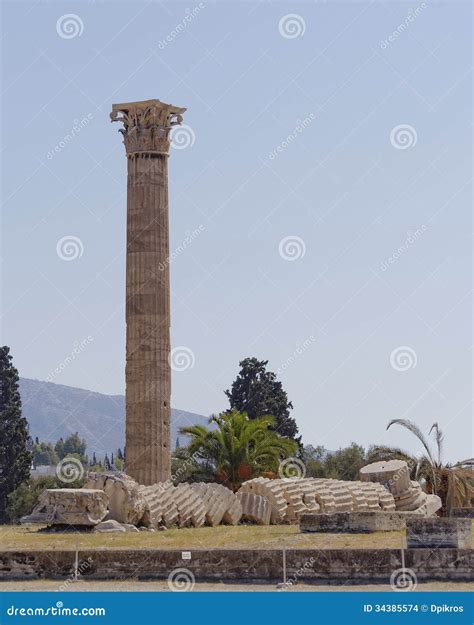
[293, 131]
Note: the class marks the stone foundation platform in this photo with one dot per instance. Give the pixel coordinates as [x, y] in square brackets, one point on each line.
[357, 522]
[439, 533]
[255, 565]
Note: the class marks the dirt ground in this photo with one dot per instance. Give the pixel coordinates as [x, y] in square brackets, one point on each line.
[162, 586]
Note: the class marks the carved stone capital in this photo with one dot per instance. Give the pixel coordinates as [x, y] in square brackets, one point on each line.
[146, 125]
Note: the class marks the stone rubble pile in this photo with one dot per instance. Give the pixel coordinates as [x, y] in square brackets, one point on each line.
[394, 477]
[126, 503]
[116, 497]
[221, 504]
[289, 498]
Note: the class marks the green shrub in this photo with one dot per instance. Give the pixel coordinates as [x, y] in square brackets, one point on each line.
[22, 500]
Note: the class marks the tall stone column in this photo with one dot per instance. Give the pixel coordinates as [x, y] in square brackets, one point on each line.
[146, 130]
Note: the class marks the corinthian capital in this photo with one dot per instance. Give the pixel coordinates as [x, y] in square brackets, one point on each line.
[146, 125]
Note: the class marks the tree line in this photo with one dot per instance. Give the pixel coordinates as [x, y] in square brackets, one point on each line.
[255, 436]
[45, 453]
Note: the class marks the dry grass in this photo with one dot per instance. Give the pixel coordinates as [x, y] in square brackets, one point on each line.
[238, 537]
[13, 537]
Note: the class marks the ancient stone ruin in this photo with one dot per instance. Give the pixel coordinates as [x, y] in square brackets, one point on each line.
[383, 488]
[69, 506]
[146, 136]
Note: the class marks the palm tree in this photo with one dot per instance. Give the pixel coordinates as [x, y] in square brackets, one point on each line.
[453, 483]
[238, 448]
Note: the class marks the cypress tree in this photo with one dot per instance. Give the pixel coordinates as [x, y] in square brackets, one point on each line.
[15, 459]
[257, 392]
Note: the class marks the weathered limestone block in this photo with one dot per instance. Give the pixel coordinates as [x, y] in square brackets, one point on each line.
[293, 495]
[69, 506]
[110, 526]
[215, 502]
[309, 497]
[152, 495]
[126, 503]
[357, 522]
[433, 503]
[393, 474]
[371, 497]
[129, 527]
[272, 491]
[160, 498]
[233, 514]
[255, 508]
[170, 509]
[359, 502]
[220, 503]
[190, 506]
[342, 496]
[438, 533]
[412, 499]
[386, 501]
[325, 499]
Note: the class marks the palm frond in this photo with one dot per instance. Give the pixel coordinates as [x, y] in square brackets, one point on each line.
[439, 439]
[414, 429]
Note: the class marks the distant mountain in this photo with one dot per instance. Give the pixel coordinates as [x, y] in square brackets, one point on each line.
[54, 411]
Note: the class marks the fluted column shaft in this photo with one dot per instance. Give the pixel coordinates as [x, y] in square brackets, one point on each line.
[148, 375]
[146, 132]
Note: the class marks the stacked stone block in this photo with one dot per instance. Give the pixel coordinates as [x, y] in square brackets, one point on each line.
[255, 508]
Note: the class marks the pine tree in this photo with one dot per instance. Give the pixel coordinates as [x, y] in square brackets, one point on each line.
[15, 459]
[119, 454]
[107, 463]
[112, 462]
